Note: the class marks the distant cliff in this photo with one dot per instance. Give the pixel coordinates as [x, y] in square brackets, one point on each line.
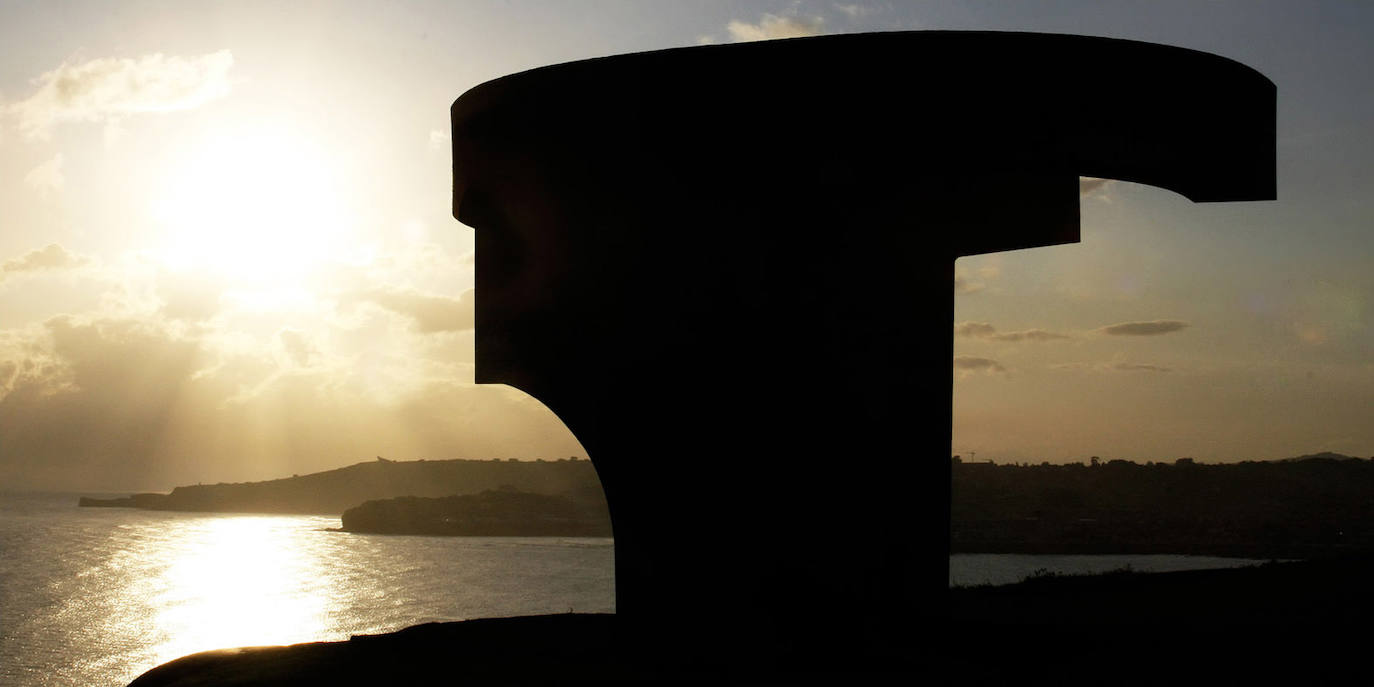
[1297, 508]
[333, 491]
[498, 512]
[134, 501]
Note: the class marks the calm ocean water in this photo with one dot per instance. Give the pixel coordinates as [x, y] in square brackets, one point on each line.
[96, 596]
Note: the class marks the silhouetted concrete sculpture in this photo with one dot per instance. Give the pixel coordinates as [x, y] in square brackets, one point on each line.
[729, 270]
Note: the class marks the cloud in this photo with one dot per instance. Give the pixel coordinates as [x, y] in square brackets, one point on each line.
[1071, 366]
[1145, 328]
[987, 272]
[47, 178]
[189, 297]
[772, 26]
[968, 363]
[439, 140]
[963, 285]
[983, 330]
[1093, 186]
[106, 89]
[853, 11]
[1030, 335]
[122, 404]
[8, 370]
[297, 347]
[50, 257]
[1137, 367]
[975, 329]
[1111, 367]
[430, 313]
[117, 402]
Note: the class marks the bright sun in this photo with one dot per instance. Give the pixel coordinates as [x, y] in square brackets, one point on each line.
[259, 209]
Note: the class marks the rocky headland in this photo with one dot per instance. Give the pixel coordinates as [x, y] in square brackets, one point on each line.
[333, 491]
[496, 512]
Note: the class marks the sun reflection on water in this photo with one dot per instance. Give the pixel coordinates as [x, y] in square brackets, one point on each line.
[99, 596]
[237, 581]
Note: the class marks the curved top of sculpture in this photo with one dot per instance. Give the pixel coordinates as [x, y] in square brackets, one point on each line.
[890, 108]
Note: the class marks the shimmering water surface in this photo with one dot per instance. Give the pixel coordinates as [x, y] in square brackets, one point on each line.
[96, 596]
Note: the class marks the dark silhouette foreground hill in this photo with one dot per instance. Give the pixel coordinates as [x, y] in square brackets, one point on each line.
[1301, 623]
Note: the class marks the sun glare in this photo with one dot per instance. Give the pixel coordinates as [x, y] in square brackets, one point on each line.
[258, 209]
[235, 581]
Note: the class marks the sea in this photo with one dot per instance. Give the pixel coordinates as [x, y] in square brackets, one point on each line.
[97, 596]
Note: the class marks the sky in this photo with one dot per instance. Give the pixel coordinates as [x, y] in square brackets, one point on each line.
[227, 251]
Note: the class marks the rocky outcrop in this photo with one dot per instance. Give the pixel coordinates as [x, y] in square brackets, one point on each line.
[501, 512]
